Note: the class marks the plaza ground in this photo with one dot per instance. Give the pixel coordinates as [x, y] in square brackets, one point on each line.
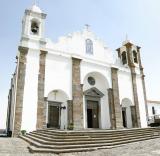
[18, 147]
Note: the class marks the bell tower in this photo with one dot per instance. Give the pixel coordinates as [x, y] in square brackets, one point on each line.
[129, 55]
[33, 23]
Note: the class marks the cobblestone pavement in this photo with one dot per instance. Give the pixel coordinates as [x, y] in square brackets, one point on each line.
[18, 147]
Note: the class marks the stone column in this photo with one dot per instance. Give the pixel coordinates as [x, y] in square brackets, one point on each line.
[70, 112]
[41, 111]
[143, 82]
[111, 108]
[21, 71]
[134, 83]
[77, 93]
[116, 101]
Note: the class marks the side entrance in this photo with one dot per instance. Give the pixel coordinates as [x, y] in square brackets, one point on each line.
[54, 115]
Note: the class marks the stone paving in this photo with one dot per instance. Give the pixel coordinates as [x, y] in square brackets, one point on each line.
[18, 147]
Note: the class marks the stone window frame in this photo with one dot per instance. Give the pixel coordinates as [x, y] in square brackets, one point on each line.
[89, 46]
[91, 80]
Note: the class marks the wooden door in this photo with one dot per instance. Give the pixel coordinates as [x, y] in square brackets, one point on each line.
[124, 116]
[133, 115]
[53, 115]
[92, 114]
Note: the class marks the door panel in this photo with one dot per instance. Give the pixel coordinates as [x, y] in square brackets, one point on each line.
[92, 114]
[89, 118]
[124, 117]
[53, 116]
[133, 115]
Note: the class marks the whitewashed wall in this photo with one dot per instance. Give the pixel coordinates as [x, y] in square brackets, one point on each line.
[142, 108]
[125, 85]
[29, 112]
[58, 74]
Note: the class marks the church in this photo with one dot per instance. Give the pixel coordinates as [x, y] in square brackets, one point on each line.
[74, 83]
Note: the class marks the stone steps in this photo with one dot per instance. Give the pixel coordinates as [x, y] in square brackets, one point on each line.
[91, 141]
[93, 138]
[99, 132]
[88, 134]
[54, 141]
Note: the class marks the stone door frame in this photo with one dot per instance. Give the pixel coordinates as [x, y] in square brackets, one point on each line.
[93, 94]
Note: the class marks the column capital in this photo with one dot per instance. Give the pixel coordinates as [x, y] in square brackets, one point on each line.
[75, 58]
[43, 52]
[114, 68]
[23, 50]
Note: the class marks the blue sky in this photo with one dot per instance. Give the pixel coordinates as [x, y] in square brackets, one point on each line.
[109, 19]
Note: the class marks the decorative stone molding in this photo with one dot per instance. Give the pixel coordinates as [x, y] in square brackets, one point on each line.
[117, 108]
[77, 94]
[30, 12]
[93, 92]
[21, 71]
[41, 105]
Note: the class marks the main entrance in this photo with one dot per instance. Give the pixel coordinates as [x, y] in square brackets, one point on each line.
[53, 115]
[124, 117]
[92, 114]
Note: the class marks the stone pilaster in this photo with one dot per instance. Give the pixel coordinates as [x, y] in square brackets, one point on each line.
[77, 93]
[116, 101]
[41, 111]
[21, 71]
[70, 112]
[134, 83]
[111, 108]
[143, 81]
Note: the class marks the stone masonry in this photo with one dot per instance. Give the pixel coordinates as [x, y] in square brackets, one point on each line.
[70, 112]
[21, 70]
[116, 101]
[134, 83]
[41, 114]
[111, 108]
[77, 93]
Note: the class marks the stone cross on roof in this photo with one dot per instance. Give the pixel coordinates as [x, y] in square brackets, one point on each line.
[87, 26]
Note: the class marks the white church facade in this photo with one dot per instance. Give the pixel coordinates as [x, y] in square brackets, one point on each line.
[75, 83]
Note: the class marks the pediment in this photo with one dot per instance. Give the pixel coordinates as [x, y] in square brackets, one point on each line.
[94, 92]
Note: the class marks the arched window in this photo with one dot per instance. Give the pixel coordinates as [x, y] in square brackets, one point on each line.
[89, 46]
[135, 58]
[124, 57]
[34, 27]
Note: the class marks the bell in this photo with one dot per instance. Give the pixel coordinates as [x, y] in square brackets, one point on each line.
[35, 29]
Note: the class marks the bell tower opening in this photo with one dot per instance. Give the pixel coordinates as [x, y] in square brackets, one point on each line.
[124, 57]
[34, 28]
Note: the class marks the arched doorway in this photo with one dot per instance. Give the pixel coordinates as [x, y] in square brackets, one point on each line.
[57, 109]
[96, 107]
[127, 113]
[92, 99]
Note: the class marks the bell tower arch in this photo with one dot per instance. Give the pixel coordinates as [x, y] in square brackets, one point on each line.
[33, 23]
